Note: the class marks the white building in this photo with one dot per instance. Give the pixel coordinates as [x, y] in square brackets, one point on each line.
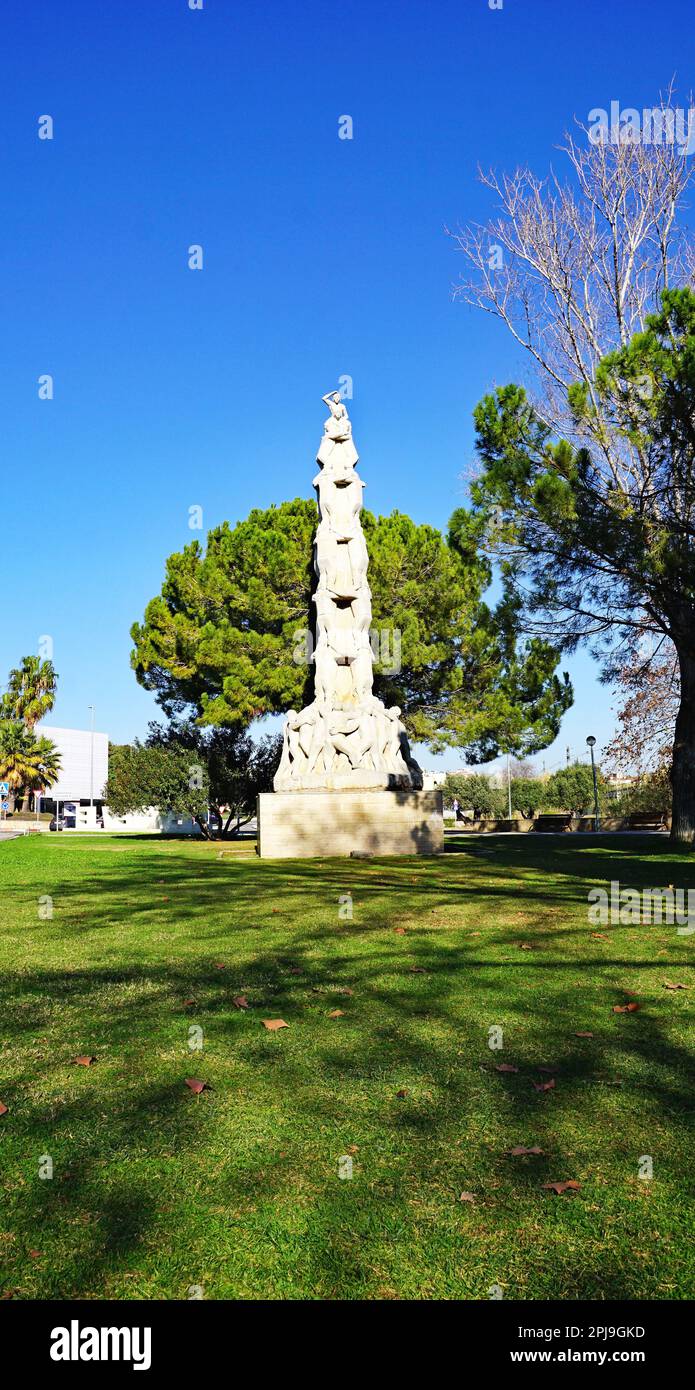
[432, 779]
[84, 769]
[84, 764]
[151, 821]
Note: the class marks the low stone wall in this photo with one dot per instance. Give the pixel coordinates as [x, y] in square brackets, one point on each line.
[581, 824]
[487, 827]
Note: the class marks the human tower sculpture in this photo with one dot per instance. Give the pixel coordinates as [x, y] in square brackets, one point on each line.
[346, 738]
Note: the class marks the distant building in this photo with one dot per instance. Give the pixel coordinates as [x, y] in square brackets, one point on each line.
[84, 759]
[151, 821]
[432, 780]
[616, 782]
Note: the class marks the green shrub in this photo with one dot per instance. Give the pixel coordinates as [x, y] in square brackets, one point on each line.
[572, 789]
[477, 794]
[651, 795]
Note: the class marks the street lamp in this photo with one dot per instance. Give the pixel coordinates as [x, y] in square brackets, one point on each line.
[591, 742]
[91, 758]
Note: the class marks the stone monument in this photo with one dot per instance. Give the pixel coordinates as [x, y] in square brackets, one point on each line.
[346, 782]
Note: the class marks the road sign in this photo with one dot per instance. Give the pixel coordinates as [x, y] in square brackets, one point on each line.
[4, 788]
[5, 805]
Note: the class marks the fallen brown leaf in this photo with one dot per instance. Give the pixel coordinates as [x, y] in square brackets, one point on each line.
[418, 970]
[188, 1003]
[519, 1150]
[543, 1085]
[668, 985]
[399, 931]
[272, 1024]
[85, 1061]
[401, 1095]
[197, 1086]
[337, 1013]
[524, 945]
[467, 1197]
[583, 1035]
[506, 1066]
[560, 1187]
[3, 1108]
[625, 1008]
[598, 936]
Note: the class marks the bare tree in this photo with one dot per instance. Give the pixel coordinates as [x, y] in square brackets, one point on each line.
[573, 269]
[650, 697]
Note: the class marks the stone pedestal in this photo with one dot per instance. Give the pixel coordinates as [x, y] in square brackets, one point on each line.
[318, 824]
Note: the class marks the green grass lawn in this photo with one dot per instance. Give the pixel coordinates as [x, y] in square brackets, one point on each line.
[156, 1190]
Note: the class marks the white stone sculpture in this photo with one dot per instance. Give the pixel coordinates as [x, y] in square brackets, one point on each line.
[346, 738]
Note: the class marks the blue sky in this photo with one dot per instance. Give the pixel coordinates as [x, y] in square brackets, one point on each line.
[322, 257]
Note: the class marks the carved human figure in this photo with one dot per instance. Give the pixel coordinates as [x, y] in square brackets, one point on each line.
[338, 425]
[362, 609]
[336, 450]
[324, 669]
[341, 506]
[362, 671]
[325, 556]
[392, 749]
[353, 735]
[388, 736]
[300, 739]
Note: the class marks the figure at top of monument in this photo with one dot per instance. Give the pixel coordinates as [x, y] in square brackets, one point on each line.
[338, 425]
[337, 452]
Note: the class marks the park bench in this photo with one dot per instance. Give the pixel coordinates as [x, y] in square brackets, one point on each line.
[551, 825]
[646, 820]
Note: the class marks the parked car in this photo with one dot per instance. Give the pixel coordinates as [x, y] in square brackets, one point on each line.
[54, 824]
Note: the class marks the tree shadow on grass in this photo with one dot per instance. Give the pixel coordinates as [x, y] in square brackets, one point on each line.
[460, 993]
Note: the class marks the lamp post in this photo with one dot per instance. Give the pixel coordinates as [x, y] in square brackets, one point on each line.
[91, 758]
[591, 742]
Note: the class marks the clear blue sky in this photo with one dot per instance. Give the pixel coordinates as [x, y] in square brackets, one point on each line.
[322, 257]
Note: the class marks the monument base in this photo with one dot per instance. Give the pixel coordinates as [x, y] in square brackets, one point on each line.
[322, 824]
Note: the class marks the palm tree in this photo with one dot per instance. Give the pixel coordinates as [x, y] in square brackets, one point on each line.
[25, 760]
[31, 691]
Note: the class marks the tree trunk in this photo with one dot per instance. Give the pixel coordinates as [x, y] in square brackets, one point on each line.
[228, 834]
[683, 771]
